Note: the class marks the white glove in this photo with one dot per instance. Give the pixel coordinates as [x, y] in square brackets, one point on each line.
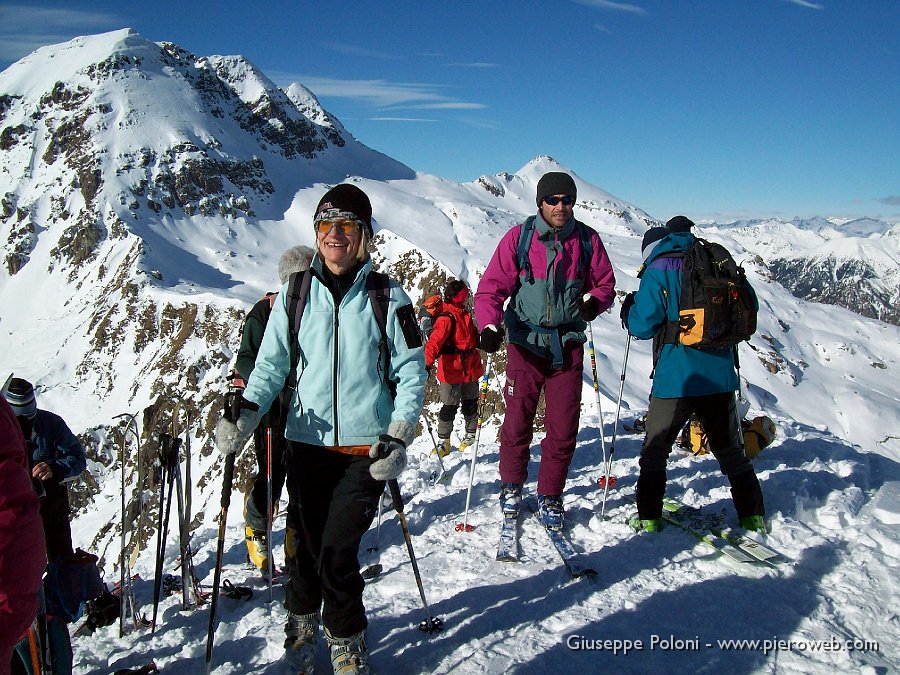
[232, 436]
[389, 451]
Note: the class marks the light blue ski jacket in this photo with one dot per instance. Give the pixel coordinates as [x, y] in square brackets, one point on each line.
[342, 395]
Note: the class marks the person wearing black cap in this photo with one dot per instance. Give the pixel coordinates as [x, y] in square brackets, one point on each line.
[557, 276]
[686, 381]
[351, 417]
[57, 458]
[22, 547]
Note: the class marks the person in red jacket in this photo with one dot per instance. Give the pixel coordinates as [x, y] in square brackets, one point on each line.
[453, 345]
[23, 553]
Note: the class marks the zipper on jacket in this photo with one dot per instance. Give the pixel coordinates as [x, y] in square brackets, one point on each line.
[334, 373]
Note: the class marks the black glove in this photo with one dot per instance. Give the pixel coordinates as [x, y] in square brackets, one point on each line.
[626, 307]
[490, 339]
[588, 309]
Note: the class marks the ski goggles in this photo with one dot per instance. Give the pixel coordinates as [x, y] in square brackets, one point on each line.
[346, 226]
[567, 200]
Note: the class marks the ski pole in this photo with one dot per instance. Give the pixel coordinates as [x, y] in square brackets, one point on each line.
[122, 553]
[612, 447]
[227, 476]
[270, 509]
[431, 624]
[464, 525]
[603, 479]
[375, 569]
[167, 455]
[434, 442]
[127, 562]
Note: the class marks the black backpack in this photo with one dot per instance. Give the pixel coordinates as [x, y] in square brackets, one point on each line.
[716, 308]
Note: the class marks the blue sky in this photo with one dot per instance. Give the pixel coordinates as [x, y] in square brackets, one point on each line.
[713, 108]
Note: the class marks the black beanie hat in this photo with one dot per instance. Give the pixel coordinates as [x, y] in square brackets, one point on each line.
[555, 183]
[651, 239]
[680, 224]
[346, 197]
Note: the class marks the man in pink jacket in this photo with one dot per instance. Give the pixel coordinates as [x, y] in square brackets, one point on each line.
[557, 276]
[23, 554]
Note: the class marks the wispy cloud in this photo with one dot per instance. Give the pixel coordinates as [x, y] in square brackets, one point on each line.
[615, 6]
[807, 4]
[890, 201]
[356, 50]
[381, 94]
[451, 105]
[23, 29]
[475, 64]
[602, 28]
[401, 119]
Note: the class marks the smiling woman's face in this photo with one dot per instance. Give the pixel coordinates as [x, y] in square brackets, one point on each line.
[338, 244]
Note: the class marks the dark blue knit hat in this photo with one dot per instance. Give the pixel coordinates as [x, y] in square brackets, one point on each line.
[680, 224]
[20, 396]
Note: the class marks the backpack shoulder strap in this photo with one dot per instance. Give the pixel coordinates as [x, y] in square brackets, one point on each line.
[378, 288]
[450, 344]
[587, 247]
[297, 293]
[526, 232]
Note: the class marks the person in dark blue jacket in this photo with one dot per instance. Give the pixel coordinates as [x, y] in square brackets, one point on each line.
[57, 458]
[685, 381]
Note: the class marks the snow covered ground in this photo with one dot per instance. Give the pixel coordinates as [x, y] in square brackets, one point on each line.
[660, 603]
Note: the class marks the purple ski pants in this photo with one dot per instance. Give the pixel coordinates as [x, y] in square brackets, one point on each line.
[526, 374]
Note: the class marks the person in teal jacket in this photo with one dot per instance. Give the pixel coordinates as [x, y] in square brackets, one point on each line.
[347, 429]
[685, 381]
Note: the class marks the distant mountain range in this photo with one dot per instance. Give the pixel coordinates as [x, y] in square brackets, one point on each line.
[146, 194]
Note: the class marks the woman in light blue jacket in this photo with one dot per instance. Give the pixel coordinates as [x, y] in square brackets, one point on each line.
[356, 399]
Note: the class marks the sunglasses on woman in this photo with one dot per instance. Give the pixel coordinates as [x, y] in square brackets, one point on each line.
[567, 200]
[345, 226]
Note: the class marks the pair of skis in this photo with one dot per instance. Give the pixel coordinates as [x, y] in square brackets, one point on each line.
[508, 548]
[710, 529]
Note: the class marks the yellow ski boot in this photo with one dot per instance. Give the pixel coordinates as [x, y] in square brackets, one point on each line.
[467, 442]
[443, 447]
[257, 548]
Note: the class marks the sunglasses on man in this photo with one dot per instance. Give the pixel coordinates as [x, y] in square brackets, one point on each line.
[567, 200]
[344, 225]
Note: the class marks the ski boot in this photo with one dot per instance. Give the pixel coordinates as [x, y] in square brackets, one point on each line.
[550, 512]
[443, 447]
[754, 524]
[467, 441]
[302, 636]
[510, 499]
[349, 655]
[647, 525]
[257, 548]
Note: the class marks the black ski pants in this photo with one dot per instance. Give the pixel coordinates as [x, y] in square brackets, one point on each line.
[336, 499]
[718, 414]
